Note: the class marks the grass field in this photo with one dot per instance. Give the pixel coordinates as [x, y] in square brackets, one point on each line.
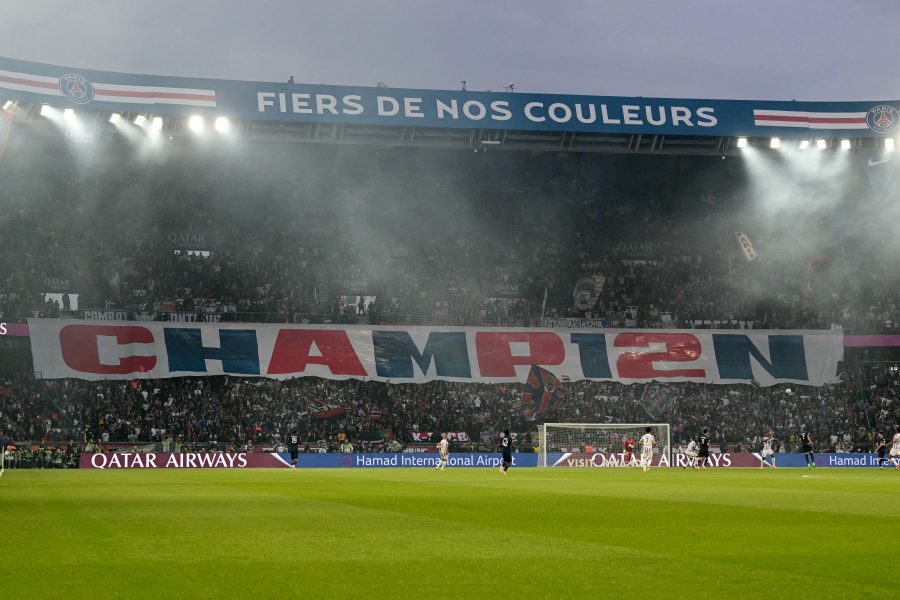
[538, 533]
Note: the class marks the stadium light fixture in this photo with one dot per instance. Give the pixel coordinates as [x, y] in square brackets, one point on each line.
[46, 110]
[821, 144]
[140, 120]
[196, 124]
[223, 125]
[115, 118]
[68, 114]
[889, 144]
[742, 142]
[156, 124]
[775, 143]
[845, 144]
[7, 105]
[804, 144]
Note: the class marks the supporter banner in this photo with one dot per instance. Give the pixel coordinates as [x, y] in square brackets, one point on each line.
[97, 314]
[587, 291]
[181, 96]
[191, 317]
[426, 436]
[571, 323]
[104, 350]
[406, 460]
[184, 460]
[746, 245]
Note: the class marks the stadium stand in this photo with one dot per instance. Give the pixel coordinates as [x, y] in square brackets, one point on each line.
[425, 236]
[221, 412]
[342, 234]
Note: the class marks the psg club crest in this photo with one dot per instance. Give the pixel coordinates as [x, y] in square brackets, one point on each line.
[883, 119]
[77, 88]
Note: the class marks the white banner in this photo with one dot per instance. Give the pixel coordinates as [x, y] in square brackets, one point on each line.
[127, 350]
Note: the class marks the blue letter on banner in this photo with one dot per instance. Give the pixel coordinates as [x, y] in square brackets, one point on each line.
[238, 353]
[395, 352]
[592, 350]
[787, 351]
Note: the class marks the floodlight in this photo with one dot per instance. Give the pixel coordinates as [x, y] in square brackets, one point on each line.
[196, 124]
[140, 120]
[156, 124]
[804, 144]
[845, 144]
[889, 144]
[68, 114]
[821, 144]
[46, 110]
[223, 125]
[775, 143]
[742, 142]
[7, 105]
[115, 118]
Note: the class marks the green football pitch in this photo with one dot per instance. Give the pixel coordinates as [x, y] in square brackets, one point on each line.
[396, 533]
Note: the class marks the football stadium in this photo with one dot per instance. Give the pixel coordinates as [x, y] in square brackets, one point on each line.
[301, 340]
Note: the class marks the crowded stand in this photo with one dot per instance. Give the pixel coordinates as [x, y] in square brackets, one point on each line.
[222, 413]
[396, 235]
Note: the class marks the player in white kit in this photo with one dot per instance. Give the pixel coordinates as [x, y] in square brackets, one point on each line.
[768, 450]
[648, 443]
[444, 450]
[895, 448]
[691, 452]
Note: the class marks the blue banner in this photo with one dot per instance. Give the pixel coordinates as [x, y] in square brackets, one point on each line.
[406, 460]
[180, 96]
[797, 459]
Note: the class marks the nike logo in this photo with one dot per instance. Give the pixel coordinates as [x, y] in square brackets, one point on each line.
[873, 163]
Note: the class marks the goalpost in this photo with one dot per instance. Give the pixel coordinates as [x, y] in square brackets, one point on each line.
[599, 444]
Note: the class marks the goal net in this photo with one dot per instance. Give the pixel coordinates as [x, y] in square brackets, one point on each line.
[600, 444]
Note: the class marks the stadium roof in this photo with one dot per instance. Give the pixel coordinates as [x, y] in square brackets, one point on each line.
[439, 118]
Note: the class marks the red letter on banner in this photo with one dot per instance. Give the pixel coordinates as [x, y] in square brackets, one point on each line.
[291, 352]
[78, 344]
[680, 347]
[495, 358]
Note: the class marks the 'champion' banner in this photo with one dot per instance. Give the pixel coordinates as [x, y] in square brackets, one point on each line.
[128, 350]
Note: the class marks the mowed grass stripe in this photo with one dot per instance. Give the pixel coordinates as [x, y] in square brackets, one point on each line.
[537, 533]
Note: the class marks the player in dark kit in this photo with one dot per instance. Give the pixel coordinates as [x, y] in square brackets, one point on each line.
[806, 442]
[506, 449]
[293, 447]
[881, 448]
[703, 454]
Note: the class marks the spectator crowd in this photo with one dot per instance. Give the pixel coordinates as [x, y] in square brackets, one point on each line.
[400, 235]
[247, 413]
